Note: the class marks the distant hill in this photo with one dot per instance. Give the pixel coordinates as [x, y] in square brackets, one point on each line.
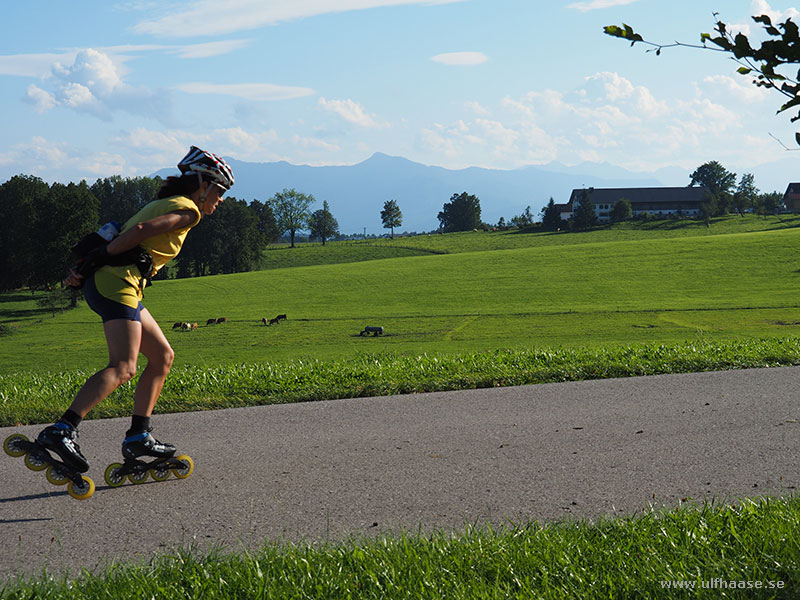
[356, 193]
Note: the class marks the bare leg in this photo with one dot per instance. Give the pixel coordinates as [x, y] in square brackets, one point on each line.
[159, 353]
[124, 339]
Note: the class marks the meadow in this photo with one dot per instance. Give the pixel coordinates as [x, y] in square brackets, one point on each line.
[476, 309]
[456, 315]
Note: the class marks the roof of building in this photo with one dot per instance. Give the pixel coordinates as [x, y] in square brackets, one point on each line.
[642, 195]
[792, 188]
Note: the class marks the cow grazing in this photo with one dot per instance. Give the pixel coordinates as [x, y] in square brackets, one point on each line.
[177, 325]
[221, 320]
[211, 322]
[264, 321]
[280, 318]
[274, 322]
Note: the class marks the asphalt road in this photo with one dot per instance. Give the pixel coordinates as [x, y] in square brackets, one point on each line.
[330, 470]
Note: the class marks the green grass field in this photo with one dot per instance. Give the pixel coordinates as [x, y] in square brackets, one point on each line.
[459, 311]
[590, 293]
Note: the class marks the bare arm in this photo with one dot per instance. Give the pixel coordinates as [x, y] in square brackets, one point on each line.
[179, 219]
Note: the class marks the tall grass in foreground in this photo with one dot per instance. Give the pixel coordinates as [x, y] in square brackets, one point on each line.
[754, 543]
[29, 397]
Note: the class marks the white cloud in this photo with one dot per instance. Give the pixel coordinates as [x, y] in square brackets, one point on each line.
[351, 111]
[42, 100]
[214, 18]
[209, 49]
[249, 91]
[477, 108]
[91, 82]
[761, 7]
[32, 65]
[597, 4]
[739, 87]
[460, 59]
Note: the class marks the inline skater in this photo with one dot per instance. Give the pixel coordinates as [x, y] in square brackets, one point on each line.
[115, 293]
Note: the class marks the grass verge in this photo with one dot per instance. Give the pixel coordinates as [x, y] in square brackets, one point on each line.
[747, 550]
[29, 397]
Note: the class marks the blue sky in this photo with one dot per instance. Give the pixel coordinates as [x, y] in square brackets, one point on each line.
[96, 88]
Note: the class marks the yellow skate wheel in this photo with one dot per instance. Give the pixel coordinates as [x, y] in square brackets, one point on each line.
[187, 469]
[12, 445]
[161, 473]
[81, 492]
[56, 475]
[138, 477]
[112, 475]
[35, 463]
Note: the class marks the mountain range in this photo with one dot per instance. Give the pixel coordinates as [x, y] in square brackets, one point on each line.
[356, 193]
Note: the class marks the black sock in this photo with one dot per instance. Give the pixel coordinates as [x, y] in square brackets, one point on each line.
[72, 418]
[138, 425]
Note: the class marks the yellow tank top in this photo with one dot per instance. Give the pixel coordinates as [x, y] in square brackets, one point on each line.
[124, 284]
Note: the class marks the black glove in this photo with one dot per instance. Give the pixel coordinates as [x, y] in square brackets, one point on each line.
[95, 259]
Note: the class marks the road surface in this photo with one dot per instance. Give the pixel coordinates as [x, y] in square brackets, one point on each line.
[368, 466]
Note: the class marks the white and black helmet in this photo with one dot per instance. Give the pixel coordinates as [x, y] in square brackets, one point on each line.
[209, 166]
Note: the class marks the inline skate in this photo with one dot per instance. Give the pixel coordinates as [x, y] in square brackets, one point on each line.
[68, 468]
[137, 471]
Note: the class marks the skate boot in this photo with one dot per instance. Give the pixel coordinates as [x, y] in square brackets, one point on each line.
[145, 445]
[60, 439]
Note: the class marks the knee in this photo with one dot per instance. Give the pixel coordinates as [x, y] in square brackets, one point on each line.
[124, 371]
[163, 359]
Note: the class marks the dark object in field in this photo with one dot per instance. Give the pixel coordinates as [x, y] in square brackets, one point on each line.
[375, 331]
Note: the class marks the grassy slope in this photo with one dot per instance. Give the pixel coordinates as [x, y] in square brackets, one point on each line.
[591, 293]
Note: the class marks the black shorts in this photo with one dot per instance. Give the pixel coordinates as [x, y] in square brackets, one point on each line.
[106, 308]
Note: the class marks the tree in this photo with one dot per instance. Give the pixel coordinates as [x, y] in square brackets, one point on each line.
[622, 210]
[764, 62]
[266, 222]
[391, 216]
[229, 241]
[584, 217]
[551, 217]
[322, 224]
[768, 204]
[718, 181]
[462, 213]
[292, 211]
[121, 197]
[20, 200]
[744, 197]
[524, 220]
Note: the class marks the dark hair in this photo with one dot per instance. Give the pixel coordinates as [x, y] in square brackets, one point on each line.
[179, 185]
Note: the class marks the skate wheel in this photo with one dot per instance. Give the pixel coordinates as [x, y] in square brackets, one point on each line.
[114, 476]
[138, 477]
[56, 475]
[12, 445]
[81, 492]
[161, 473]
[35, 462]
[186, 470]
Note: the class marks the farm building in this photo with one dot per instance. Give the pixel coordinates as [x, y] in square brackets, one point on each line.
[791, 198]
[684, 201]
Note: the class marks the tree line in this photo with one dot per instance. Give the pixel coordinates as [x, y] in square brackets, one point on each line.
[40, 222]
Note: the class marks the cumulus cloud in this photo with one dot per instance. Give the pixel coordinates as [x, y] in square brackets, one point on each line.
[350, 111]
[460, 59]
[92, 83]
[213, 18]
[607, 118]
